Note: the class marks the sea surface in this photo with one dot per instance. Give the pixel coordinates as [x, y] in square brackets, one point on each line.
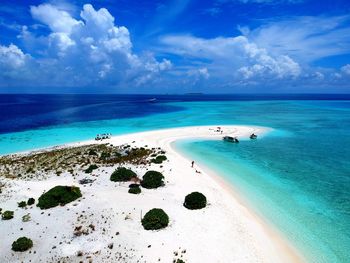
[297, 177]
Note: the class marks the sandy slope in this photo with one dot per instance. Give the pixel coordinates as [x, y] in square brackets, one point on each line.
[225, 231]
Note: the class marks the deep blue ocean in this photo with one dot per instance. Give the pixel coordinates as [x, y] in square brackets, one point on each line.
[296, 177]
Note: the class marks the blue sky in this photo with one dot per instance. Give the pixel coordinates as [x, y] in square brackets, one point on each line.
[219, 46]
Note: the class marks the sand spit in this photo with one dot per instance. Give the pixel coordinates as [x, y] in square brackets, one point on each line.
[104, 224]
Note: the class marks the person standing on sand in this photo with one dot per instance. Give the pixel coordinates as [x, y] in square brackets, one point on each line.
[192, 164]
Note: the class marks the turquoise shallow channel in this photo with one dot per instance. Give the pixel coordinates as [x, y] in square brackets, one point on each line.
[296, 177]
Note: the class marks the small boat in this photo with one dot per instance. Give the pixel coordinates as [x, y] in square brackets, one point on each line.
[253, 136]
[103, 136]
[230, 139]
[152, 100]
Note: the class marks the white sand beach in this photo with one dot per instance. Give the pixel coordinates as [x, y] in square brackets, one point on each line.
[227, 230]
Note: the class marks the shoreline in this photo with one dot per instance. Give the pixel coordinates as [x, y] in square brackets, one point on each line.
[290, 253]
[279, 239]
[258, 241]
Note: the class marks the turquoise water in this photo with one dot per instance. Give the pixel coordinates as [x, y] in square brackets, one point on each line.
[297, 177]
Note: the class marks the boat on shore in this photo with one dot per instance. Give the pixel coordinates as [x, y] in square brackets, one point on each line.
[230, 139]
[253, 136]
[103, 136]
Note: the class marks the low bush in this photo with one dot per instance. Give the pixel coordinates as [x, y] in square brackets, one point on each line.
[159, 159]
[105, 155]
[195, 200]
[117, 154]
[31, 201]
[59, 195]
[155, 219]
[91, 168]
[133, 185]
[7, 215]
[22, 204]
[122, 174]
[22, 244]
[92, 152]
[134, 190]
[152, 179]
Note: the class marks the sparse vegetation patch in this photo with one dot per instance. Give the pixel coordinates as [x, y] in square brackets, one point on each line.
[91, 168]
[159, 159]
[22, 204]
[7, 215]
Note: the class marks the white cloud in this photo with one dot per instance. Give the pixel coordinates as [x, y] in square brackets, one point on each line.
[346, 69]
[199, 73]
[318, 75]
[233, 55]
[60, 41]
[88, 51]
[304, 38]
[11, 57]
[58, 20]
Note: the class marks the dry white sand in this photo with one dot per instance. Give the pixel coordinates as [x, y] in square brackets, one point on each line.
[225, 231]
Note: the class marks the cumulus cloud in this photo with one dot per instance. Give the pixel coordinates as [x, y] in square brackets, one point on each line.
[14, 65]
[11, 57]
[57, 20]
[91, 50]
[236, 56]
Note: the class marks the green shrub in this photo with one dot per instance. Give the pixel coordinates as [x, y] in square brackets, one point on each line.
[152, 179]
[159, 159]
[122, 174]
[22, 244]
[155, 219]
[7, 215]
[31, 201]
[134, 190]
[105, 155]
[91, 168]
[30, 170]
[92, 152]
[117, 154]
[195, 200]
[179, 261]
[59, 195]
[22, 204]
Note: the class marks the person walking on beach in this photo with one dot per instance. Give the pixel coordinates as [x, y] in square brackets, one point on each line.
[192, 164]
